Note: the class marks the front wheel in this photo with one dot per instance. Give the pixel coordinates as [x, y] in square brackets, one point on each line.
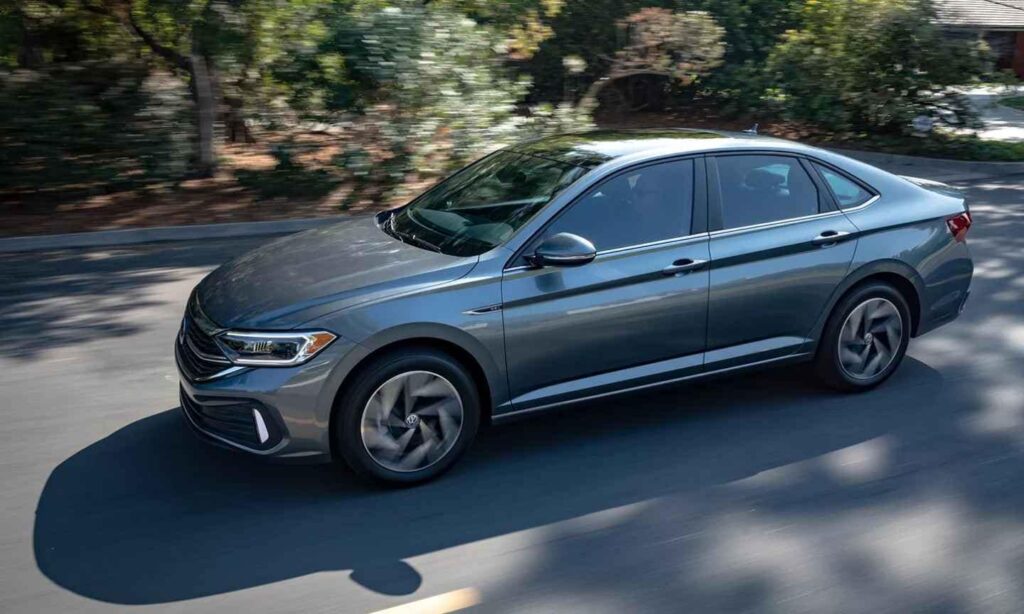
[408, 417]
[865, 339]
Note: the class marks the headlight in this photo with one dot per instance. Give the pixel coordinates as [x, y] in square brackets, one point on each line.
[273, 349]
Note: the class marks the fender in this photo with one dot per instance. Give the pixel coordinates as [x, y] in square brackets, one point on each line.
[496, 383]
[889, 266]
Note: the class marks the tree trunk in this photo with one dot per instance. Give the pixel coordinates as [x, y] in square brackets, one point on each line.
[206, 109]
[202, 81]
[30, 54]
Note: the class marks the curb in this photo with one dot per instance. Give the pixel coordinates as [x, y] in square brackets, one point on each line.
[134, 236]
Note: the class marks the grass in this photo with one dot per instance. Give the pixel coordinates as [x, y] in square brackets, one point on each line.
[1016, 102]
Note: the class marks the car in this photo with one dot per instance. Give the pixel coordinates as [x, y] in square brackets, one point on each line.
[562, 270]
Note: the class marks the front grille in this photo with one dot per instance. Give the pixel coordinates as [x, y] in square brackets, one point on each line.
[231, 419]
[199, 356]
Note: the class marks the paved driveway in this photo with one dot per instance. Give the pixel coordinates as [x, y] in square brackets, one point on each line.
[1000, 123]
[762, 492]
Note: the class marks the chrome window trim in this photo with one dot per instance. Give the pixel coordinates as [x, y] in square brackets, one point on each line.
[674, 239]
[863, 205]
[795, 220]
[626, 248]
[775, 224]
[640, 246]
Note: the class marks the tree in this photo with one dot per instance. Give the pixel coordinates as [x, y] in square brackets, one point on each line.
[752, 30]
[522, 23]
[438, 91]
[873, 65]
[680, 46]
[227, 50]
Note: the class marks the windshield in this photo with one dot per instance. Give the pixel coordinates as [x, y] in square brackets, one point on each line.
[480, 207]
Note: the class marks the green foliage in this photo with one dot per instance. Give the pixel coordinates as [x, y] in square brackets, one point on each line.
[440, 91]
[1016, 102]
[586, 30]
[752, 29]
[522, 23]
[98, 94]
[872, 65]
[92, 128]
[952, 146]
[677, 45]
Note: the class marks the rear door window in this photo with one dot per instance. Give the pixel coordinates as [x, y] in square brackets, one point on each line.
[758, 189]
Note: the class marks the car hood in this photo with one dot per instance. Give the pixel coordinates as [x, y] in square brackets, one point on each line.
[292, 280]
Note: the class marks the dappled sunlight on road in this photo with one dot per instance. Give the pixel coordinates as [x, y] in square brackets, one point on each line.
[758, 492]
[101, 295]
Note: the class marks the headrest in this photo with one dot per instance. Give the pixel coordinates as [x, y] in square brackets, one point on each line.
[763, 180]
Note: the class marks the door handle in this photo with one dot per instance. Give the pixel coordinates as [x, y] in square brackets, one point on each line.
[684, 265]
[830, 237]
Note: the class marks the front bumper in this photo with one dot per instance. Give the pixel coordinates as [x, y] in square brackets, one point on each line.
[269, 411]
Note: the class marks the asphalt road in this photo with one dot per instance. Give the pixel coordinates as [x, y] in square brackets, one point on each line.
[757, 493]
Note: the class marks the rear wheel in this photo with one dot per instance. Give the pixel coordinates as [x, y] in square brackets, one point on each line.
[408, 417]
[865, 339]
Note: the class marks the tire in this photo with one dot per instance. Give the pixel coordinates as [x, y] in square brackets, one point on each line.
[844, 359]
[373, 428]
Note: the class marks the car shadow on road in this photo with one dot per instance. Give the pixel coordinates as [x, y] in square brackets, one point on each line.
[151, 515]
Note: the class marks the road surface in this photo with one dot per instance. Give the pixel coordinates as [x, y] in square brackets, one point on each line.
[757, 493]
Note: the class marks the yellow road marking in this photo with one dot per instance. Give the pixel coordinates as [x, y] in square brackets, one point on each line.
[438, 604]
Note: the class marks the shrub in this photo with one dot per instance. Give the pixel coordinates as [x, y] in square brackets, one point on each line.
[440, 93]
[679, 46]
[872, 66]
[91, 128]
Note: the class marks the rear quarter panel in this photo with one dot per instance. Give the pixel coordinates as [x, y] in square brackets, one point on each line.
[904, 232]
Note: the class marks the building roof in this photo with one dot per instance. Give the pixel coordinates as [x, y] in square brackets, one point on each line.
[981, 14]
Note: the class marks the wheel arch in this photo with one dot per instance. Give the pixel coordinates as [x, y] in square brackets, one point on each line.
[461, 346]
[894, 272]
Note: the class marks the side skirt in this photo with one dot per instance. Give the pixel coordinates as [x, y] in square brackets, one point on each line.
[781, 360]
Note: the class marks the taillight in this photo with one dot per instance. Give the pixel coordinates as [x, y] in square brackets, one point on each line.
[959, 225]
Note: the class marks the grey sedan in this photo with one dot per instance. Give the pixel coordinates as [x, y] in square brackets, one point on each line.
[562, 270]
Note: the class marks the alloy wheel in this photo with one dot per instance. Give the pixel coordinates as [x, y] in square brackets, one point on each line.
[870, 338]
[412, 421]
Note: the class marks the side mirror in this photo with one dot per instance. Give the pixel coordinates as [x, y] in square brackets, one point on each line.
[563, 249]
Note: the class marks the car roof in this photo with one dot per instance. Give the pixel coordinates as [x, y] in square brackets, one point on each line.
[597, 147]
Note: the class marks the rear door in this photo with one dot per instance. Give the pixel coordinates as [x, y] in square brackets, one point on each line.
[636, 313]
[779, 248]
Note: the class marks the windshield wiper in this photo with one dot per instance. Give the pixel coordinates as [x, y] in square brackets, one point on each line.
[414, 240]
[409, 238]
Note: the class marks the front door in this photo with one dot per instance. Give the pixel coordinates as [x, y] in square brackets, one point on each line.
[778, 251]
[636, 314]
